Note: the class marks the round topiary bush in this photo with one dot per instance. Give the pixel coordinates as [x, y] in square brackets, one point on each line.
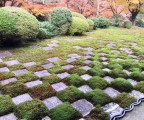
[76, 14]
[17, 26]
[96, 21]
[78, 26]
[61, 18]
[140, 23]
[128, 24]
[42, 33]
[91, 24]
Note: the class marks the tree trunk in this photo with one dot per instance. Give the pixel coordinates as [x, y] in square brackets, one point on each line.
[133, 16]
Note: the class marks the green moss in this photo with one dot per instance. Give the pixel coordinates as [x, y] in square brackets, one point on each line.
[137, 75]
[15, 67]
[35, 68]
[64, 112]
[97, 72]
[2, 64]
[77, 70]
[70, 94]
[114, 66]
[56, 69]
[6, 75]
[128, 24]
[140, 86]
[96, 63]
[115, 73]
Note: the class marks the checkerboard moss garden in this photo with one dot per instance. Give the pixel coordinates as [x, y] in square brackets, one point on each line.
[47, 74]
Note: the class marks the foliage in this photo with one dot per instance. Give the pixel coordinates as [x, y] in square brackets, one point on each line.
[6, 75]
[76, 14]
[140, 23]
[128, 24]
[137, 75]
[140, 86]
[118, 73]
[78, 26]
[42, 33]
[96, 71]
[95, 20]
[91, 24]
[77, 70]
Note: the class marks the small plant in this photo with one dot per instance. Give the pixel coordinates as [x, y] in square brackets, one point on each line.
[76, 14]
[128, 24]
[42, 33]
[91, 24]
[140, 23]
[96, 21]
[137, 75]
[140, 86]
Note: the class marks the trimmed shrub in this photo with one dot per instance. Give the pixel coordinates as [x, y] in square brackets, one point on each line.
[70, 94]
[42, 33]
[91, 24]
[96, 21]
[122, 85]
[98, 97]
[62, 18]
[97, 82]
[6, 104]
[64, 112]
[140, 86]
[31, 110]
[17, 26]
[78, 26]
[42, 91]
[140, 23]
[76, 14]
[124, 100]
[128, 24]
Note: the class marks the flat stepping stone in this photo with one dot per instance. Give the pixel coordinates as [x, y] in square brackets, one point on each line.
[1, 60]
[20, 71]
[100, 41]
[77, 47]
[68, 39]
[89, 49]
[59, 86]
[35, 46]
[4, 69]
[29, 64]
[7, 81]
[127, 72]
[133, 44]
[47, 48]
[88, 52]
[52, 102]
[86, 76]
[121, 40]
[55, 41]
[105, 63]
[12, 62]
[112, 109]
[10, 116]
[67, 67]
[86, 57]
[83, 106]
[111, 44]
[46, 66]
[125, 49]
[87, 61]
[74, 55]
[106, 69]
[85, 88]
[108, 79]
[42, 73]
[70, 60]
[116, 51]
[89, 38]
[52, 45]
[63, 75]
[119, 59]
[133, 56]
[46, 118]
[102, 54]
[103, 58]
[133, 82]
[136, 94]
[33, 83]
[86, 67]
[5, 54]
[111, 92]
[53, 59]
[21, 98]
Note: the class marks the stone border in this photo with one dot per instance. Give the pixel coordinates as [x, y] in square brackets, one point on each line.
[138, 102]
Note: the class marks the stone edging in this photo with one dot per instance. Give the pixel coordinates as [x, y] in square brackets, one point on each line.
[138, 102]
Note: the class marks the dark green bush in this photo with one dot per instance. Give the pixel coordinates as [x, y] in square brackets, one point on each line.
[61, 18]
[31, 110]
[124, 100]
[76, 14]
[42, 33]
[128, 24]
[140, 23]
[70, 94]
[140, 86]
[122, 85]
[17, 26]
[98, 97]
[78, 26]
[64, 112]
[6, 105]
[91, 24]
[96, 21]
[97, 82]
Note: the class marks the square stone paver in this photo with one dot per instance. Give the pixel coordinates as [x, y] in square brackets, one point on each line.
[42, 73]
[52, 102]
[112, 109]
[133, 82]
[29, 64]
[86, 67]
[77, 47]
[46, 66]
[47, 48]
[88, 52]
[33, 83]
[116, 51]
[83, 106]
[103, 58]
[53, 59]
[127, 72]
[86, 76]
[68, 66]
[112, 44]
[71, 60]
[5, 54]
[89, 49]
[111, 92]
[63, 75]
[87, 61]
[46, 118]
[1, 60]
[10, 116]
[21, 98]
[119, 59]
[136, 94]
[20, 71]
[85, 88]
[59, 86]
[74, 55]
[108, 79]
[106, 69]
[86, 57]
[102, 54]
[52, 45]
[105, 63]
[12, 62]
[4, 69]
[55, 41]
[4, 82]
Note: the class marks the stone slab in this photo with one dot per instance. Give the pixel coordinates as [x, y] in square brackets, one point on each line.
[10, 116]
[85, 88]
[87, 61]
[55, 41]
[86, 67]
[59, 86]
[136, 94]
[4, 69]
[52, 45]
[71, 60]
[88, 52]
[29, 64]
[106, 69]
[46, 118]
[12, 62]
[53, 59]
[5, 54]
[42, 73]
[74, 55]
[20, 71]
[63, 75]
[33, 83]
[111, 92]
[133, 82]
[86, 76]
[7, 81]
[108, 79]
[68, 66]
[46, 66]
[47, 48]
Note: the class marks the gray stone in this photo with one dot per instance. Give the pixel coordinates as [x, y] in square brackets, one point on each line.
[90, 32]
[55, 41]
[112, 109]
[89, 49]
[68, 39]
[103, 58]
[108, 79]
[63, 75]
[125, 49]
[5, 54]
[10, 116]
[59, 86]
[33, 83]
[117, 51]
[1, 60]
[135, 60]
[87, 61]
[133, 82]
[133, 56]
[4, 82]
[77, 47]
[100, 41]
[71, 60]
[21, 98]
[86, 67]
[105, 63]
[85, 88]
[53, 59]
[136, 94]
[121, 40]
[102, 54]
[52, 45]
[86, 57]
[88, 52]
[83, 106]
[112, 44]
[20, 71]
[42, 73]
[111, 92]
[74, 55]
[47, 48]
[46, 118]
[52, 102]
[12, 62]
[46, 66]
[82, 119]
[133, 44]
[68, 66]
[106, 69]
[29, 64]
[119, 59]
[86, 77]
[127, 72]
[89, 38]
[4, 69]
[35, 46]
